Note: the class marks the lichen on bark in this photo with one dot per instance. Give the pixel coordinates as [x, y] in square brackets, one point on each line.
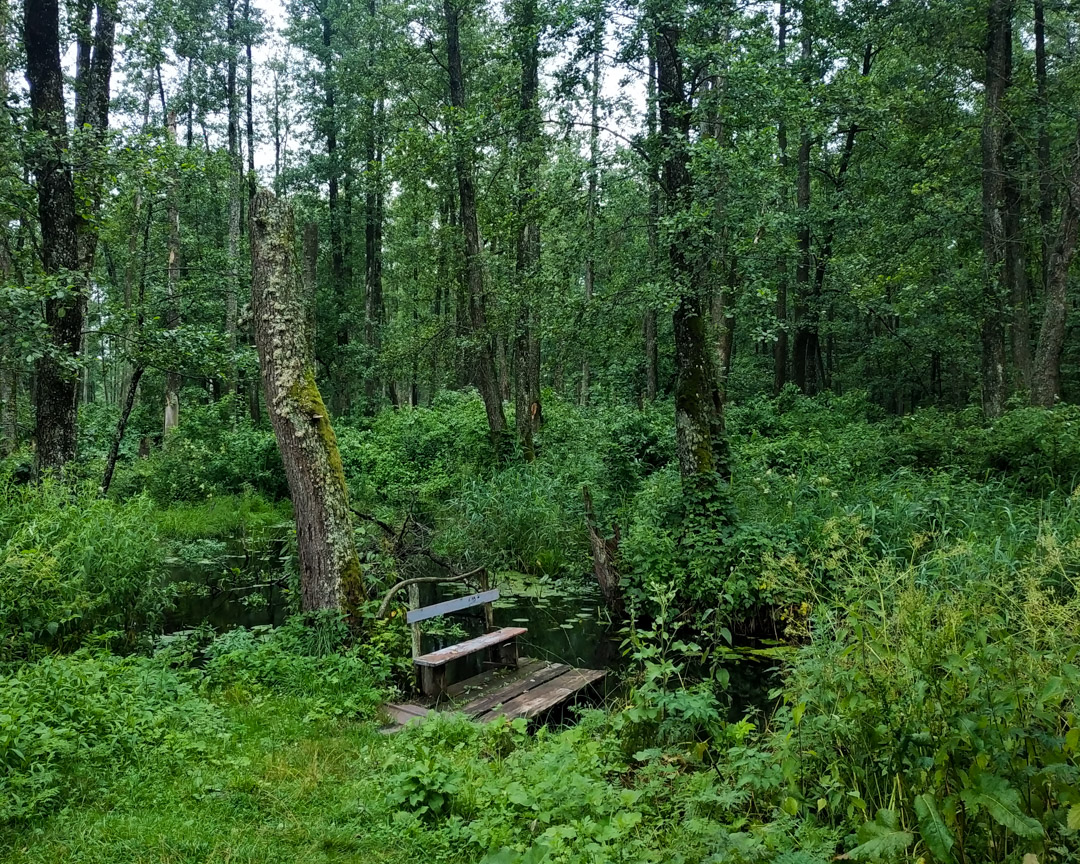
[330, 573]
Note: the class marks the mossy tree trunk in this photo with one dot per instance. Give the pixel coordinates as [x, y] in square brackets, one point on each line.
[700, 441]
[329, 567]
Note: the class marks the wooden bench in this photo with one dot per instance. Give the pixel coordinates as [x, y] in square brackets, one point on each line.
[500, 645]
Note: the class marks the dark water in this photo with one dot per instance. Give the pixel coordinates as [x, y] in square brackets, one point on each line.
[240, 583]
[236, 583]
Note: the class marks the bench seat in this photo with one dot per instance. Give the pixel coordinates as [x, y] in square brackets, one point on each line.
[480, 643]
[433, 666]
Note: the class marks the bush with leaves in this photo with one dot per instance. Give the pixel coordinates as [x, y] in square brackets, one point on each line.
[72, 563]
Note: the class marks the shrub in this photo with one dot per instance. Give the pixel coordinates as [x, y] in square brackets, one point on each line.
[72, 564]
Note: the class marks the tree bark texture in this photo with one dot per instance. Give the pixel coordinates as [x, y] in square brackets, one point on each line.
[330, 575]
[591, 202]
[173, 380]
[780, 347]
[995, 288]
[486, 377]
[1046, 378]
[651, 353]
[57, 380]
[698, 419]
[527, 264]
[806, 353]
[236, 168]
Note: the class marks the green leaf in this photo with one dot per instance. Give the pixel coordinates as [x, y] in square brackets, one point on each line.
[933, 830]
[882, 838]
[1073, 819]
[1002, 802]
[790, 806]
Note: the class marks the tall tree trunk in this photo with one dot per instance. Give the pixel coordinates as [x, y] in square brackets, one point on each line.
[464, 154]
[1046, 194]
[330, 576]
[526, 37]
[700, 442]
[248, 83]
[651, 353]
[1046, 380]
[807, 348]
[173, 380]
[236, 169]
[140, 364]
[780, 347]
[338, 284]
[590, 204]
[1015, 272]
[373, 240]
[57, 385]
[9, 368]
[997, 80]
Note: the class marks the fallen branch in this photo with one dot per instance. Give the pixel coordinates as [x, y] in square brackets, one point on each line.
[384, 607]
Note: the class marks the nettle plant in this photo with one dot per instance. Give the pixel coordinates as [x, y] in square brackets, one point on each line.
[943, 718]
[666, 705]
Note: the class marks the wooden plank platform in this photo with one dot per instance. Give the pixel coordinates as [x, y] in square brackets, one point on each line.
[546, 695]
[529, 691]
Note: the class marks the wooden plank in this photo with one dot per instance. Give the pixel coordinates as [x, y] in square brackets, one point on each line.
[490, 678]
[403, 713]
[534, 702]
[464, 649]
[454, 605]
[516, 688]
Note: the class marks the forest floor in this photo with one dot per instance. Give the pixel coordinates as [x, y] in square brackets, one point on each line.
[285, 790]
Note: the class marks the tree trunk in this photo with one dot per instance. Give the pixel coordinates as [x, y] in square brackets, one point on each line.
[57, 383]
[486, 377]
[9, 374]
[700, 442]
[249, 70]
[780, 347]
[338, 286]
[992, 331]
[330, 574]
[651, 357]
[590, 204]
[236, 168]
[807, 348]
[526, 37]
[373, 240]
[173, 380]
[1046, 195]
[121, 427]
[1046, 380]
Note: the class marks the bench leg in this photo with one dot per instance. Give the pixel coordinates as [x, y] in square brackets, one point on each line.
[508, 654]
[432, 680]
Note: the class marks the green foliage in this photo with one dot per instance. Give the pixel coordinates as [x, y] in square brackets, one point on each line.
[69, 723]
[301, 661]
[215, 451]
[72, 564]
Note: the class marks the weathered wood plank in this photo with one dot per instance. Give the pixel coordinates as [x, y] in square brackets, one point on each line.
[454, 605]
[533, 702]
[491, 679]
[464, 649]
[516, 688]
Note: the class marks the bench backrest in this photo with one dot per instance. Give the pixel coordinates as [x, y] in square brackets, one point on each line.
[454, 605]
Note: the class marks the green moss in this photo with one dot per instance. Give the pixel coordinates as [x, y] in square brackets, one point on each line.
[310, 400]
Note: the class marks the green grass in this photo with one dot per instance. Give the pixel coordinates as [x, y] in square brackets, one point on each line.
[227, 516]
[285, 790]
